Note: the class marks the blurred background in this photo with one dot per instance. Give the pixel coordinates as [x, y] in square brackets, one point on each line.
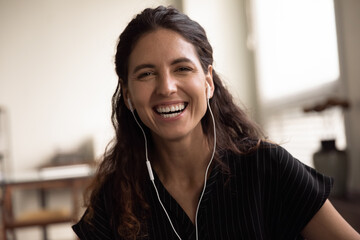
[293, 65]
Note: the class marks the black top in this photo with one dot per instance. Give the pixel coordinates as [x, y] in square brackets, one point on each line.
[267, 195]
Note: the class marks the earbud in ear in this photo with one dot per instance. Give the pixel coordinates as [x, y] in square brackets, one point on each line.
[130, 105]
[208, 90]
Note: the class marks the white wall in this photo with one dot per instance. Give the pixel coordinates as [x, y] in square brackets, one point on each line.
[57, 73]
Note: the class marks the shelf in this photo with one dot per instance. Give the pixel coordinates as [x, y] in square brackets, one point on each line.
[41, 218]
[45, 215]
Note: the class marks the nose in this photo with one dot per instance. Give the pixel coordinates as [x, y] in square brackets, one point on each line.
[166, 84]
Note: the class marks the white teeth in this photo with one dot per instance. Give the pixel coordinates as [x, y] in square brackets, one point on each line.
[169, 110]
[170, 115]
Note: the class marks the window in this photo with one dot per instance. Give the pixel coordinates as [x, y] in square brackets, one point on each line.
[297, 64]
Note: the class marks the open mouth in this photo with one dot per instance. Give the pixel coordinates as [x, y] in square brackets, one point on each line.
[171, 111]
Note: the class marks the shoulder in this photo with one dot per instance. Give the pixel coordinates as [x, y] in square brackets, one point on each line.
[266, 156]
[96, 224]
[276, 162]
[291, 191]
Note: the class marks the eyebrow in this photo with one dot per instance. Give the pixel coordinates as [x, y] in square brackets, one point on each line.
[180, 60]
[147, 65]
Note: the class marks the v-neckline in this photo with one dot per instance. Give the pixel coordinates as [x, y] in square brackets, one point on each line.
[174, 209]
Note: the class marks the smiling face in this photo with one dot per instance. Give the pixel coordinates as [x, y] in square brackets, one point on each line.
[167, 85]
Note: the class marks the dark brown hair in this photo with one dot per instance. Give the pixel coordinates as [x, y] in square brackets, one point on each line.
[123, 167]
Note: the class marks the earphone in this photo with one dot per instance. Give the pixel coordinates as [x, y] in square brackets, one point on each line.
[208, 90]
[130, 105]
[151, 175]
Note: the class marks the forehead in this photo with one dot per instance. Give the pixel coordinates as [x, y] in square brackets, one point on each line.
[161, 45]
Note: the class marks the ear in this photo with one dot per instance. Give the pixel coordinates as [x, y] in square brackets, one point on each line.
[126, 95]
[210, 87]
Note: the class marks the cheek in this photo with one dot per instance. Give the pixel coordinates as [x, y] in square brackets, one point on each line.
[200, 101]
[140, 94]
[141, 105]
[200, 92]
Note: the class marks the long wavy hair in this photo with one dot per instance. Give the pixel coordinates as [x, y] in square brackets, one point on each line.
[123, 166]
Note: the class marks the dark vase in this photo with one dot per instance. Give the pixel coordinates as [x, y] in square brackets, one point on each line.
[332, 162]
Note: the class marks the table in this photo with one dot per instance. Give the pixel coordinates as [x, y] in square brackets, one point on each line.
[75, 182]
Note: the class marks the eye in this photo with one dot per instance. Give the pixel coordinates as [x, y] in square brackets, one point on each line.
[145, 75]
[184, 69]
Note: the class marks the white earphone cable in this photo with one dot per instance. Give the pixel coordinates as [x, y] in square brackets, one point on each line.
[206, 172]
[152, 176]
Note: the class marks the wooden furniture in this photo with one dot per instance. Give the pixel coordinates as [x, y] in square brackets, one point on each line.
[44, 216]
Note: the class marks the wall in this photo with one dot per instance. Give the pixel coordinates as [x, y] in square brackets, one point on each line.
[226, 27]
[57, 74]
[57, 78]
[347, 12]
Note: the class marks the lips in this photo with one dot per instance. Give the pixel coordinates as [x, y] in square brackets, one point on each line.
[170, 111]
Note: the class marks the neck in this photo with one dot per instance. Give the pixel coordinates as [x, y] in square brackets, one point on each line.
[183, 160]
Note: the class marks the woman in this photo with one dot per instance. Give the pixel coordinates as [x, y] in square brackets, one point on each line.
[186, 162]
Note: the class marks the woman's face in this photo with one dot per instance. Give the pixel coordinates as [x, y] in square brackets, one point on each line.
[167, 85]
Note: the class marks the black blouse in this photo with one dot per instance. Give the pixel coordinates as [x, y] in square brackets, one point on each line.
[267, 195]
